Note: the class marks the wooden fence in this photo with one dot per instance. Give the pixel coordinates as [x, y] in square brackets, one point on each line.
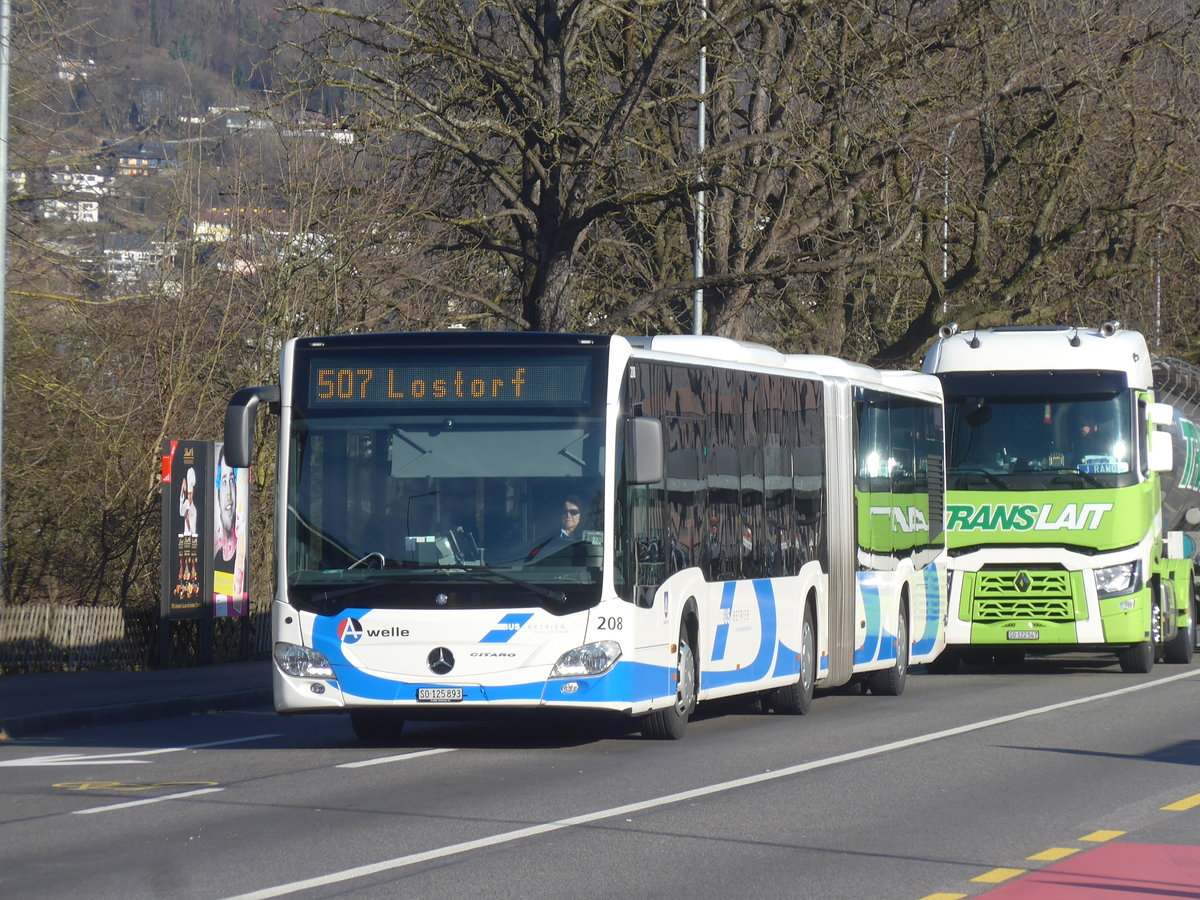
[58, 638]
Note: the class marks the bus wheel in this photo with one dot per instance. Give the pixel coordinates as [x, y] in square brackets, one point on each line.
[669, 724]
[796, 699]
[890, 682]
[1138, 659]
[376, 725]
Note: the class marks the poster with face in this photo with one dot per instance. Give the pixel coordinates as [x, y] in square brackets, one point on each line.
[185, 467]
[231, 489]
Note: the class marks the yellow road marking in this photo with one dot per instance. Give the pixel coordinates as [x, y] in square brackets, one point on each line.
[997, 875]
[1097, 837]
[125, 786]
[1054, 853]
[1184, 804]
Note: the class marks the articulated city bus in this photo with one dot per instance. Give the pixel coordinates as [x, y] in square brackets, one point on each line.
[471, 522]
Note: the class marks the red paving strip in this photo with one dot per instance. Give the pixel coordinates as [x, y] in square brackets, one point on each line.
[1112, 872]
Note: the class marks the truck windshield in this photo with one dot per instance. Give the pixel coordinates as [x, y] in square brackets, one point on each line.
[479, 499]
[1042, 441]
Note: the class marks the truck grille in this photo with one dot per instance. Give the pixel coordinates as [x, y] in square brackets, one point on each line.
[1023, 594]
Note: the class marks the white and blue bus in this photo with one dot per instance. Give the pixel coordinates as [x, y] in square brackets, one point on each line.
[748, 523]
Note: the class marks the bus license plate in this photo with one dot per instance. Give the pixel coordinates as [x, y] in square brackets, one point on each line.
[1023, 635]
[439, 695]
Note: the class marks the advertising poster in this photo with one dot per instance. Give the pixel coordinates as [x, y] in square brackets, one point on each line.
[186, 501]
[230, 545]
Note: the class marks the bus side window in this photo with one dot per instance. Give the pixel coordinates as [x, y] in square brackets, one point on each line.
[808, 479]
[723, 479]
[685, 498]
[873, 486]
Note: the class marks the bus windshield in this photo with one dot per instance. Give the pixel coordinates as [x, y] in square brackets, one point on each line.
[1043, 441]
[477, 497]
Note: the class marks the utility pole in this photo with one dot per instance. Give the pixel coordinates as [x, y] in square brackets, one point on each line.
[701, 128]
[5, 54]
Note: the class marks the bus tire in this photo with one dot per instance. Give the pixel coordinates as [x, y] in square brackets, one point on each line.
[890, 682]
[376, 725]
[670, 724]
[1138, 659]
[796, 699]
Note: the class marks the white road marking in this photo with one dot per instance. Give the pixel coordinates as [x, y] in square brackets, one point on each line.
[509, 837]
[380, 760]
[112, 759]
[75, 759]
[146, 801]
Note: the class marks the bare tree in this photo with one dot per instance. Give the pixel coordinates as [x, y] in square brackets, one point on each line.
[531, 114]
[1058, 195]
[876, 168]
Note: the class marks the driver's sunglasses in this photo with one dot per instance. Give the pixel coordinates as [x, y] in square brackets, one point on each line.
[570, 511]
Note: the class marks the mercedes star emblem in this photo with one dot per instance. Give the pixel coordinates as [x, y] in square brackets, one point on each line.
[440, 660]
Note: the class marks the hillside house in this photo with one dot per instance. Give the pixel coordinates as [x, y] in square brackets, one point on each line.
[143, 159]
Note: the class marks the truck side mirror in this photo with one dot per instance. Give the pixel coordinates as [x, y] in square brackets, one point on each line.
[1160, 452]
[1160, 414]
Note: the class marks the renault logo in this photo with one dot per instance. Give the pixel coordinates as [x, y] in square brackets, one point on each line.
[440, 660]
[1023, 582]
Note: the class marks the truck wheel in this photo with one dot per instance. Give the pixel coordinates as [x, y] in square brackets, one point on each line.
[1180, 648]
[891, 681]
[1137, 659]
[796, 699]
[670, 724]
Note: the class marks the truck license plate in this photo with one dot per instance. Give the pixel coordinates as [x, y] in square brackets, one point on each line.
[1023, 635]
[439, 695]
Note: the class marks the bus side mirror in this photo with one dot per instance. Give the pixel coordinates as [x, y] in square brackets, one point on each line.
[643, 451]
[239, 423]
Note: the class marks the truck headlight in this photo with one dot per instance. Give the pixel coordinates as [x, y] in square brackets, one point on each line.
[302, 662]
[1111, 581]
[590, 659]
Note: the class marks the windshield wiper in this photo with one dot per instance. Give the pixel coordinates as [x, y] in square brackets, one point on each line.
[543, 592]
[553, 596]
[370, 556]
[328, 596]
[987, 476]
[1086, 476]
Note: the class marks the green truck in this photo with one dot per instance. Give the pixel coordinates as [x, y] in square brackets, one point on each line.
[1057, 457]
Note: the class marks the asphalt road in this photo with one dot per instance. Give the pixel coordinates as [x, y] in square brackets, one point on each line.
[944, 792]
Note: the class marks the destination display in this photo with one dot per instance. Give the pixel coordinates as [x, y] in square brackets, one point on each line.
[496, 380]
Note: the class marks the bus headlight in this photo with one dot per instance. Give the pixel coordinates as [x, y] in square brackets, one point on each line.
[1111, 581]
[302, 662]
[590, 659]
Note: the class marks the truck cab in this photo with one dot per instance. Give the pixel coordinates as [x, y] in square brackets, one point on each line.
[1055, 447]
